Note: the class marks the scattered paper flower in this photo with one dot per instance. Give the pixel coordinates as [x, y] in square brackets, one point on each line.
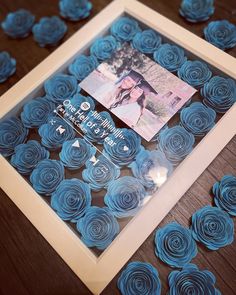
[221, 33]
[125, 28]
[139, 278]
[170, 57]
[49, 31]
[198, 118]
[100, 174]
[197, 10]
[82, 66]
[212, 227]
[190, 280]
[195, 73]
[7, 66]
[146, 41]
[225, 194]
[28, 155]
[98, 227]
[75, 10]
[12, 133]
[76, 152]
[219, 93]
[104, 47]
[18, 24]
[175, 245]
[71, 198]
[125, 196]
[46, 176]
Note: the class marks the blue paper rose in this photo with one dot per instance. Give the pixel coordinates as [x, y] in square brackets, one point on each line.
[175, 245]
[94, 127]
[190, 280]
[170, 57]
[98, 227]
[219, 93]
[151, 168]
[27, 156]
[37, 112]
[75, 10]
[100, 172]
[104, 47]
[146, 41]
[49, 31]
[125, 196]
[125, 149]
[7, 66]
[18, 24]
[76, 152]
[55, 132]
[197, 10]
[225, 194]
[71, 198]
[176, 143]
[61, 87]
[197, 118]
[46, 176]
[212, 227]
[125, 28]
[12, 133]
[195, 73]
[221, 33]
[82, 66]
[139, 278]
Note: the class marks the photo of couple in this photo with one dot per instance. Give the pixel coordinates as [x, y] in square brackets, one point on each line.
[144, 98]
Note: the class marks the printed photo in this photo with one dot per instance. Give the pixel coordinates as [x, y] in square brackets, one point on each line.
[137, 90]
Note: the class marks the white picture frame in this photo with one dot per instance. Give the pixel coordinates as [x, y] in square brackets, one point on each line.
[95, 272]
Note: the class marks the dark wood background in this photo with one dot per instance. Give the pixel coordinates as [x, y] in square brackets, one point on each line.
[28, 264]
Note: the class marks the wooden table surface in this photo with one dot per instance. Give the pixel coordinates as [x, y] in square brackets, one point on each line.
[28, 264]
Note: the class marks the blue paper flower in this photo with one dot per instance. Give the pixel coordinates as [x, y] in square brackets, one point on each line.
[7, 66]
[94, 127]
[27, 156]
[37, 112]
[125, 28]
[139, 278]
[46, 176]
[49, 31]
[221, 33]
[100, 174]
[71, 198]
[225, 194]
[151, 168]
[18, 24]
[190, 280]
[146, 41]
[197, 118]
[104, 47]
[55, 132]
[98, 227]
[219, 93]
[125, 149]
[61, 87]
[197, 10]
[170, 57]
[175, 245]
[82, 66]
[212, 227]
[125, 196]
[75, 10]
[76, 152]
[12, 133]
[176, 143]
[195, 73]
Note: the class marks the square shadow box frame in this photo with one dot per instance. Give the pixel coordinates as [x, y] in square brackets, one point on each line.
[97, 272]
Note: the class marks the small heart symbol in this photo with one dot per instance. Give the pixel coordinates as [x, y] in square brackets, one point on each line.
[126, 148]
